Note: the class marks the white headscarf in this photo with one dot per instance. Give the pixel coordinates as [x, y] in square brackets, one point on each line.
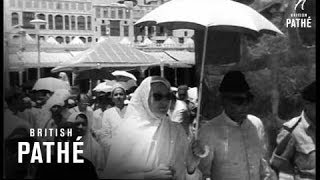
[132, 149]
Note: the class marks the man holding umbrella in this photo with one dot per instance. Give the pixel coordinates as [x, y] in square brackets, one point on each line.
[235, 138]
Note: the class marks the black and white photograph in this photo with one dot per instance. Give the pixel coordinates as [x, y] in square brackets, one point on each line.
[159, 89]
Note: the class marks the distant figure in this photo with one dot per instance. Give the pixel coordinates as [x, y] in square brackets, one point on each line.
[64, 77]
[302, 5]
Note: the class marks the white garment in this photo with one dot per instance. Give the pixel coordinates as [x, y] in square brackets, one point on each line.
[178, 113]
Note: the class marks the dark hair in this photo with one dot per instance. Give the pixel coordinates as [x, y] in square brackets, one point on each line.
[83, 116]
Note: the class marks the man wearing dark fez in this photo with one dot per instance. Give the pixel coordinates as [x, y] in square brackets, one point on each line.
[235, 138]
[295, 154]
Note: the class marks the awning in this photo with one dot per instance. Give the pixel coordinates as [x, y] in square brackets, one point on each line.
[108, 54]
[30, 59]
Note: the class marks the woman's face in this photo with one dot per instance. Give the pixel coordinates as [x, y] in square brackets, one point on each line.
[118, 97]
[159, 99]
[81, 126]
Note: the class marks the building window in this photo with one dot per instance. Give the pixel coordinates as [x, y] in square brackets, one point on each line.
[103, 30]
[73, 5]
[96, 28]
[120, 13]
[14, 19]
[12, 3]
[73, 23]
[126, 31]
[88, 6]
[66, 6]
[81, 6]
[186, 33]
[83, 39]
[81, 23]
[181, 40]
[105, 13]
[44, 4]
[127, 14]
[102, 21]
[114, 28]
[67, 39]
[58, 6]
[98, 12]
[159, 31]
[59, 22]
[89, 39]
[89, 22]
[20, 3]
[59, 39]
[66, 22]
[50, 5]
[113, 13]
[28, 3]
[50, 20]
[43, 17]
[26, 18]
[36, 3]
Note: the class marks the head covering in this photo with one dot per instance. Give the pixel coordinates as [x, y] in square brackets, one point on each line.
[131, 148]
[63, 76]
[118, 85]
[309, 92]
[234, 82]
[58, 98]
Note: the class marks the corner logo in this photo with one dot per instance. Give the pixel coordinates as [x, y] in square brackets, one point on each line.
[299, 20]
[300, 2]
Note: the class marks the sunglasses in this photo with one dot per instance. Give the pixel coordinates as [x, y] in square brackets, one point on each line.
[159, 96]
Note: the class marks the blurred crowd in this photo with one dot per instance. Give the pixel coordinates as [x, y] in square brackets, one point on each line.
[147, 131]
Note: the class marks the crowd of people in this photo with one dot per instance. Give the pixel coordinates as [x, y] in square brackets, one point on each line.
[150, 134]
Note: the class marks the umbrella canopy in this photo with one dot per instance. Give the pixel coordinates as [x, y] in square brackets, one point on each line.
[76, 41]
[125, 74]
[169, 42]
[109, 54]
[104, 87]
[189, 42]
[146, 42]
[29, 39]
[50, 84]
[51, 40]
[214, 14]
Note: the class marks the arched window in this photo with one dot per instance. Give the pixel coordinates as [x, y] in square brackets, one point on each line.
[58, 21]
[14, 19]
[83, 39]
[66, 22]
[89, 22]
[59, 39]
[43, 17]
[73, 23]
[50, 20]
[81, 23]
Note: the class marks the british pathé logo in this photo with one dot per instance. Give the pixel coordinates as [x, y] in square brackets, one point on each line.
[299, 20]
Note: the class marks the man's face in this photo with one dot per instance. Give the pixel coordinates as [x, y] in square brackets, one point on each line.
[310, 110]
[81, 126]
[236, 106]
[159, 99]
[182, 94]
[83, 103]
[118, 97]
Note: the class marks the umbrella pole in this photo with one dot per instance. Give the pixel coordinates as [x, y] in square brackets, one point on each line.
[201, 81]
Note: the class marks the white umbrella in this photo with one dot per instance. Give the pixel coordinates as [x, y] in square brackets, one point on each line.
[226, 15]
[51, 40]
[146, 42]
[125, 74]
[169, 42]
[189, 42]
[103, 87]
[125, 41]
[76, 41]
[51, 84]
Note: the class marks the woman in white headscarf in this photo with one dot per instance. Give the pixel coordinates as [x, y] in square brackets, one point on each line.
[91, 149]
[64, 77]
[112, 117]
[147, 144]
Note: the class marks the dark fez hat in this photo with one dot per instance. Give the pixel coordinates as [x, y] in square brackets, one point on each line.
[234, 82]
[309, 92]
